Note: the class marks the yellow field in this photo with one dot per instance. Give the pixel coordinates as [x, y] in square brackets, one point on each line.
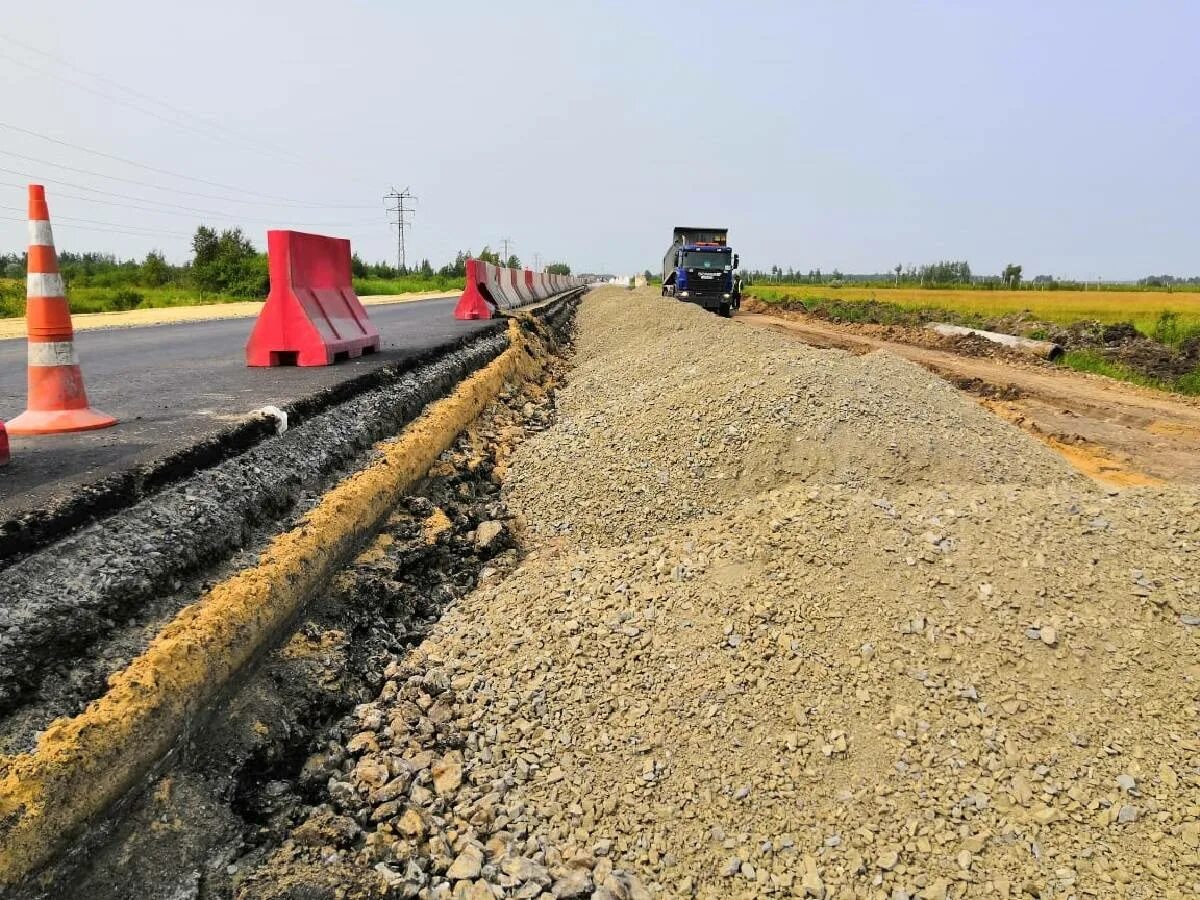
[1142, 308]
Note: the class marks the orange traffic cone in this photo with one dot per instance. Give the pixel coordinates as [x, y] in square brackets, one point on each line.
[57, 400]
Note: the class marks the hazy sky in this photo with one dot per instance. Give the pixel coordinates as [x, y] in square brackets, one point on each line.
[1064, 136]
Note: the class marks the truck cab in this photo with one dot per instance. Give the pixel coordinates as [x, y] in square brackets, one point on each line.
[700, 267]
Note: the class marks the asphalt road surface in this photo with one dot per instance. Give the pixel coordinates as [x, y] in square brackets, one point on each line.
[171, 385]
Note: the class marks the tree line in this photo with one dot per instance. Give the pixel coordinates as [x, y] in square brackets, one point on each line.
[224, 264]
[952, 274]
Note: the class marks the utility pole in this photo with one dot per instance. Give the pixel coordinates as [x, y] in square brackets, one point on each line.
[399, 198]
[505, 242]
[537, 262]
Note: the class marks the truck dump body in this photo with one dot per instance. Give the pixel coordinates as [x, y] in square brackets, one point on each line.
[688, 234]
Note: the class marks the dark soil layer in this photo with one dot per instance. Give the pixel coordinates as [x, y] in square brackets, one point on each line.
[55, 604]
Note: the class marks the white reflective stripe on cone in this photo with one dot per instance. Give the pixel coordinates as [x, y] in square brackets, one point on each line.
[41, 284]
[53, 353]
[40, 234]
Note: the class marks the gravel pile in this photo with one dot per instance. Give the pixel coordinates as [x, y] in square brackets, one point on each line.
[875, 644]
[672, 413]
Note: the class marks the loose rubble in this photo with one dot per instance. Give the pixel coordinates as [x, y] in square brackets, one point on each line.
[789, 623]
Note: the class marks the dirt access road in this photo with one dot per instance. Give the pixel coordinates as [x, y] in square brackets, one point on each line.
[1119, 433]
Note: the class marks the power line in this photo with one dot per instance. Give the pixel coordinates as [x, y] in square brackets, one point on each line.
[398, 197]
[158, 187]
[505, 241]
[137, 165]
[192, 129]
[205, 121]
[72, 225]
[121, 225]
[187, 211]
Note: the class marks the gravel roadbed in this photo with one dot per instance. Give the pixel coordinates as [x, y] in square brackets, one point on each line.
[790, 623]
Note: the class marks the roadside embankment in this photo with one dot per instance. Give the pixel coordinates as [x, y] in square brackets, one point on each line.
[79, 766]
[790, 623]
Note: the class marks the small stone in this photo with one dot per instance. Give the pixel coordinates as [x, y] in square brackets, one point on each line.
[576, 883]
[1046, 815]
[1049, 636]
[1189, 619]
[487, 533]
[447, 776]
[812, 885]
[411, 824]
[1127, 814]
[524, 869]
[466, 865]
[732, 866]
[887, 860]
[1127, 782]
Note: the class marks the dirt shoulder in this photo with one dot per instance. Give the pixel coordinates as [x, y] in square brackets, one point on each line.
[1112, 430]
[170, 315]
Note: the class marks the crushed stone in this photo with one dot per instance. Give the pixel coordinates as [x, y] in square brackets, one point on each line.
[790, 624]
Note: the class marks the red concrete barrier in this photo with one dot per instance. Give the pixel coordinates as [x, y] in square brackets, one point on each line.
[312, 315]
[518, 281]
[476, 301]
[3, 445]
[490, 288]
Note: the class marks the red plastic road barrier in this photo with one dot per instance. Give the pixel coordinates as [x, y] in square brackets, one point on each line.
[3, 445]
[57, 400]
[312, 315]
[491, 288]
[476, 300]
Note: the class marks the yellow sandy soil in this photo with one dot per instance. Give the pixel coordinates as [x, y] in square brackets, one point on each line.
[167, 315]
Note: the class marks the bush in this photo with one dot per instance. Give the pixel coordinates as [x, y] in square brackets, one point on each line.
[1170, 330]
[126, 299]
[1189, 383]
[12, 298]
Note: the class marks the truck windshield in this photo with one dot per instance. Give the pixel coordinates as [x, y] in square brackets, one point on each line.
[705, 259]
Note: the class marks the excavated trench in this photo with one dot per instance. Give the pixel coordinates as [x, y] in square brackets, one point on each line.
[233, 790]
[233, 796]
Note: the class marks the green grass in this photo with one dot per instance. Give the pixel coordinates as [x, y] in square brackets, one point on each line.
[914, 307]
[92, 298]
[1146, 310]
[1094, 363]
[410, 284]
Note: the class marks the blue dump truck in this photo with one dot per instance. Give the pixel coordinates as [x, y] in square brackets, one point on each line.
[700, 267]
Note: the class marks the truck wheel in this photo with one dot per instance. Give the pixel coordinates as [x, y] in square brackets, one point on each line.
[724, 310]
